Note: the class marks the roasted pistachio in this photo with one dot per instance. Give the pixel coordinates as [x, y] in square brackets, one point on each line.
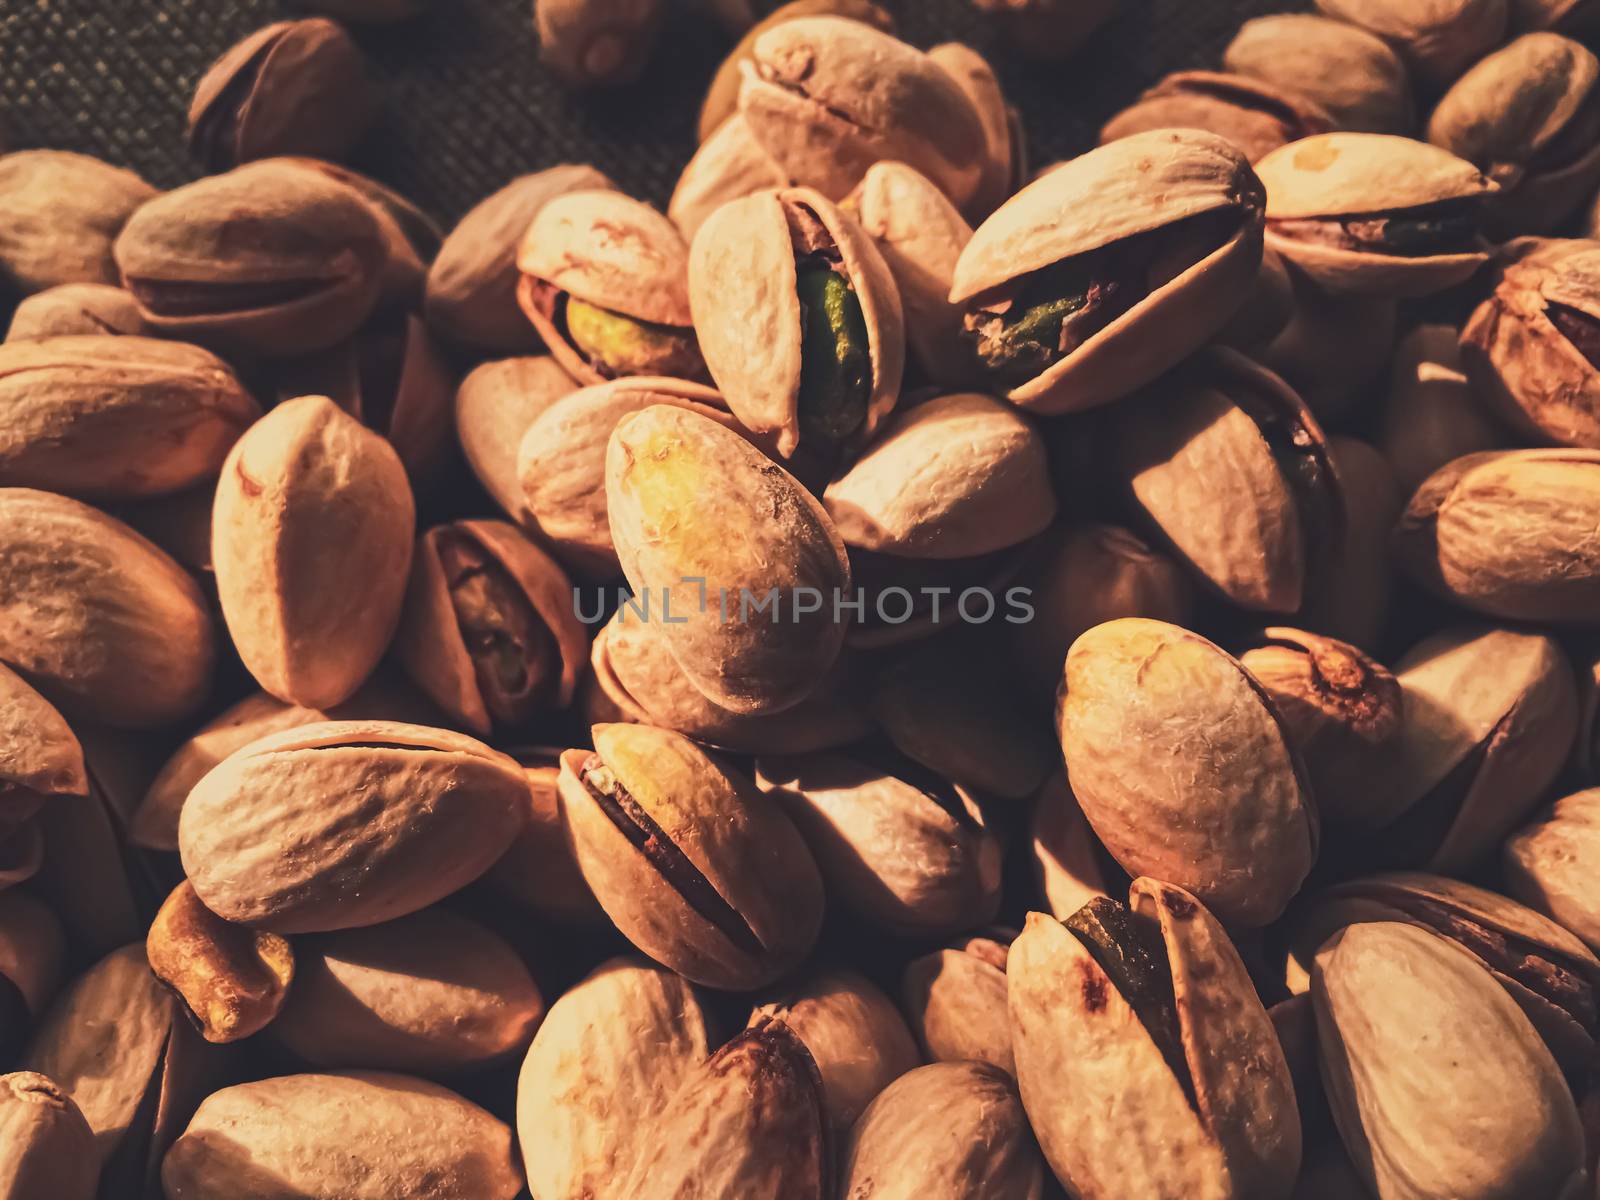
[75, 308]
[1254, 115]
[1054, 296]
[956, 999]
[597, 43]
[1439, 38]
[60, 213]
[1431, 415]
[1550, 864]
[1349, 73]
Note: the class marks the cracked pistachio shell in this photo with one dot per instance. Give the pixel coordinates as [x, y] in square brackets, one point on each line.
[70, 309]
[597, 43]
[116, 418]
[1349, 73]
[98, 619]
[1528, 116]
[948, 1131]
[489, 632]
[1004, 167]
[680, 489]
[347, 823]
[1069, 864]
[607, 250]
[856, 1036]
[46, 1147]
[1550, 865]
[428, 993]
[471, 297]
[728, 166]
[750, 1121]
[609, 1055]
[743, 280]
[1431, 414]
[1228, 463]
[1490, 717]
[1527, 347]
[59, 215]
[40, 758]
[1343, 709]
[561, 462]
[638, 678]
[827, 97]
[1364, 175]
[312, 541]
[955, 477]
[1509, 535]
[1255, 115]
[1185, 769]
[956, 999]
[352, 1133]
[920, 235]
[1140, 184]
[691, 862]
[495, 405]
[908, 851]
[270, 259]
[1438, 1083]
[1111, 1116]
[1438, 38]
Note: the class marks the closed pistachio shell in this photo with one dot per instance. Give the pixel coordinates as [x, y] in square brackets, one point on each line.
[1185, 769]
[956, 999]
[1438, 1083]
[827, 97]
[729, 165]
[1255, 116]
[60, 213]
[1351, 74]
[1003, 167]
[1550, 864]
[495, 405]
[46, 1147]
[1439, 38]
[72, 309]
[1431, 415]
[266, 835]
[354, 1133]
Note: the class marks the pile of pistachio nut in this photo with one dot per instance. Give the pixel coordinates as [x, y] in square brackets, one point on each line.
[903, 677]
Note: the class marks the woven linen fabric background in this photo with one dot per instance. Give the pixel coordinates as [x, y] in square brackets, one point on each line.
[469, 107]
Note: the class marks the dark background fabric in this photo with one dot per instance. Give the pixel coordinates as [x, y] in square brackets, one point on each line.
[469, 106]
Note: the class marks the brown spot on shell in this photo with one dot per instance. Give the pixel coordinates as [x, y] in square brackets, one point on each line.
[1095, 988]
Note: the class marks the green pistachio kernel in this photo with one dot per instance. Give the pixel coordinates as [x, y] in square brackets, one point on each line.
[620, 345]
[835, 355]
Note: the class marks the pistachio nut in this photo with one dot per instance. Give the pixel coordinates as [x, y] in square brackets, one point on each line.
[1549, 865]
[604, 283]
[561, 462]
[1350, 74]
[427, 993]
[539, 871]
[75, 308]
[750, 1121]
[59, 215]
[696, 867]
[1490, 716]
[495, 405]
[1228, 463]
[1506, 534]
[1438, 38]
[1551, 975]
[1081, 574]
[897, 844]
[116, 418]
[472, 285]
[673, 478]
[1005, 149]
[610, 1054]
[856, 1036]
[1255, 115]
[1431, 414]
[489, 632]
[293, 87]
[957, 476]
[1146, 1063]
[33, 953]
[1048, 29]
[311, 541]
[1185, 768]
[948, 1131]
[343, 1133]
[40, 758]
[1372, 213]
[98, 619]
[46, 1147]
[597, 43]
[1333, 348]
[722, 97]
[269, 259]
[729, 165]
[231, 981]
[799, 317]
[827, 97]
[1068, 310]
[1342, 708]
[956, 1000]
[347, 823]
[1532, 348]
[1352, 602]
[1438, 1083]
[1069, 863]
[920, 235]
